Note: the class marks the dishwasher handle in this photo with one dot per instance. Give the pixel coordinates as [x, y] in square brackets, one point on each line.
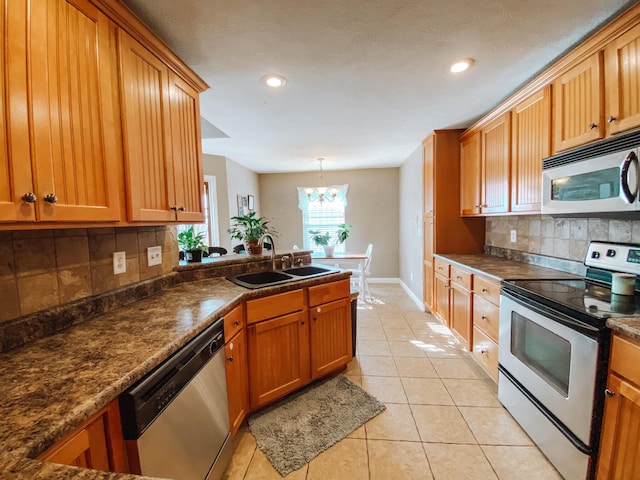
[148, 397]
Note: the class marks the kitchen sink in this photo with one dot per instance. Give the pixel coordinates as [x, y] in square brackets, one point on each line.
[307, 270]
[269, 278]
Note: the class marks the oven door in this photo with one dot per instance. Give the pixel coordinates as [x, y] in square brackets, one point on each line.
[603, 184]
[556, 364]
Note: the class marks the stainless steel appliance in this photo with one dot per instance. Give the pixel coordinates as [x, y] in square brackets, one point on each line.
[600, 178]
[177, 417]
[553, 354]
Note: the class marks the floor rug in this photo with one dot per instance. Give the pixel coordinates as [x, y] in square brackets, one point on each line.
[294, 431]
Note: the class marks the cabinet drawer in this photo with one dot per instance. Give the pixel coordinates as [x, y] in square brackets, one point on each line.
[487, 289]
[486, 316]
[329, 292]
[274, 306]
[441, 267]
[461, 277]
[625, 358]
[233, 322]
[485, 351]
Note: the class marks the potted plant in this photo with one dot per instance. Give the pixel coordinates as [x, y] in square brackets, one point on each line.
[324, 239]
[192, 244]
[248, 229]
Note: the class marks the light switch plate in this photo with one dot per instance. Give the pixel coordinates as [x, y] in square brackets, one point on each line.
[119, 262]
[513, 236]
[154, 256]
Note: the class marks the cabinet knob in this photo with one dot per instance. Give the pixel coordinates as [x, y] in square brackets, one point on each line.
[230, 358]
[181, 208]
[237, 322]
[29, 197]
[611, 119]
[484, 290]
[174, 208]
[483, 351]
[458, 277]
[592, 126]
[314, 318]
[302, 322]
[484, 318]
[51, 198]
[609, 393]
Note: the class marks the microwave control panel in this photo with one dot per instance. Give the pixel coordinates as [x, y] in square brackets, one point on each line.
[617, 257]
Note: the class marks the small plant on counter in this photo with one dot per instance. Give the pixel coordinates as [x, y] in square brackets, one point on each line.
[192, 244]
[249, 228]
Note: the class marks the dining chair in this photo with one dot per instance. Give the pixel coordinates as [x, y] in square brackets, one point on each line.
[361, 273]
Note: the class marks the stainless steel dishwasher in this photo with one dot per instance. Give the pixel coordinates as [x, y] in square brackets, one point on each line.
[177, 416]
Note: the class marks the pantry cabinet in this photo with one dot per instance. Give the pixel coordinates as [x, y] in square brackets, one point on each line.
[96, 444]
[619, 456]
[59, 161]
[578, 103]
[622, 77]
[531, 143]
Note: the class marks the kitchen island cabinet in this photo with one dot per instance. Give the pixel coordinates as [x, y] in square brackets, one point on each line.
[236, 367]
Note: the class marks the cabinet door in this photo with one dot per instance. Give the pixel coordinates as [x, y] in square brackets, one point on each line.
[147, 132]
[187, 153]
[441, 298]
[619, 457]
[97, 444]
[531, 136]
[578, 105]
[15, 155]
[496, 152]
[427, 176]
[235, 352]
[470, 174]
[330, 337]
[622, 77]
[278, 357]
[74, 136]
[427, 230]
[460, 313]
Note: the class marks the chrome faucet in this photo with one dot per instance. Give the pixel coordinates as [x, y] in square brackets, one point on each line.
[273, 248]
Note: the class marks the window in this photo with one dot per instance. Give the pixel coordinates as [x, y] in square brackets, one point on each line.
[210, 226]
[324, 216]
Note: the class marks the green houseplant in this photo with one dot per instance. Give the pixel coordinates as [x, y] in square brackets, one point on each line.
[324, 239]
[249, 228]
[192, 244]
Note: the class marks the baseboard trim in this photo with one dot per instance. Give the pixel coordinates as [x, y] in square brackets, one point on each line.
[412, 295]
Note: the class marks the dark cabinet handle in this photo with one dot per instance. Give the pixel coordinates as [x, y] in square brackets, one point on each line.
[484, 318]
[314, 318]
[174, 208]
[484, 290]
[51, 198]
[611, 119]
[302, 322]
[181, 208]
[29, 197]
[592, 126]
[230, 358]
[609, 393]
[237, 322]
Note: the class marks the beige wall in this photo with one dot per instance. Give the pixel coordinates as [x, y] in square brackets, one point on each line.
[372, 209]
[565, 238]
[410, 219]
[44, 268]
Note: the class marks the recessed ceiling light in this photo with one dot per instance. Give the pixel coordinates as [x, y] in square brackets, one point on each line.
[462, 65]
[274, 80]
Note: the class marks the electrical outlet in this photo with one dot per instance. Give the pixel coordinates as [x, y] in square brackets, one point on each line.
[154, 256]
[513, 236]
[119, 262]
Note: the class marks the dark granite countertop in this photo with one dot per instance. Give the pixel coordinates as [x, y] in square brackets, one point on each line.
[51, 385]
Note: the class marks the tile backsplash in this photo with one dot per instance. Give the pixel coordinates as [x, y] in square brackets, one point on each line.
[565, 238]
[41, 269]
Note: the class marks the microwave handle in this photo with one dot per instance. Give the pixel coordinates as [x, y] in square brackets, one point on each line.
[624, 177]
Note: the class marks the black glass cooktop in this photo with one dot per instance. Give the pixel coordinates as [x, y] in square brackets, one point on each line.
[586, 297]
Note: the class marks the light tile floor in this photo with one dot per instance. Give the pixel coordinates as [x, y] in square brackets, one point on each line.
[443, 420]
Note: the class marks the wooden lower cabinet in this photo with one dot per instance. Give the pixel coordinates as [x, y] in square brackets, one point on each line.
[485, 351]
[278, 357]
[330, 337]
[441, 298]
[96, 444]
[486, 315]
[460, 313]
[619, 457]
[235, 351]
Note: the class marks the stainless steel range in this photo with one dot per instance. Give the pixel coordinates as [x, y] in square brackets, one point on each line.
[554, 352]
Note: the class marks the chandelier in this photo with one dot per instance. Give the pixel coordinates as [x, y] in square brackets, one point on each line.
[321, 193]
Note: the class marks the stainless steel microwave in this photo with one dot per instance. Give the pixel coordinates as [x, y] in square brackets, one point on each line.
[601, 184]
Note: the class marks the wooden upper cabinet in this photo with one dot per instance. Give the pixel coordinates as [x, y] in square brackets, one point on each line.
[578, 104]
[622, 78]
[187, 157]
[147, 132]
[496, 152]
[427, 176]
[531, 142]
[470, 174]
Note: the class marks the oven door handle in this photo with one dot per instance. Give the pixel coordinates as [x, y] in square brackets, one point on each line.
[632, 158]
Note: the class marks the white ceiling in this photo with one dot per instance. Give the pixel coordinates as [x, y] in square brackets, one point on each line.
[367, 80]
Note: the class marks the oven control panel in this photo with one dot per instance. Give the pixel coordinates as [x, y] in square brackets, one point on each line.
[618, 257]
